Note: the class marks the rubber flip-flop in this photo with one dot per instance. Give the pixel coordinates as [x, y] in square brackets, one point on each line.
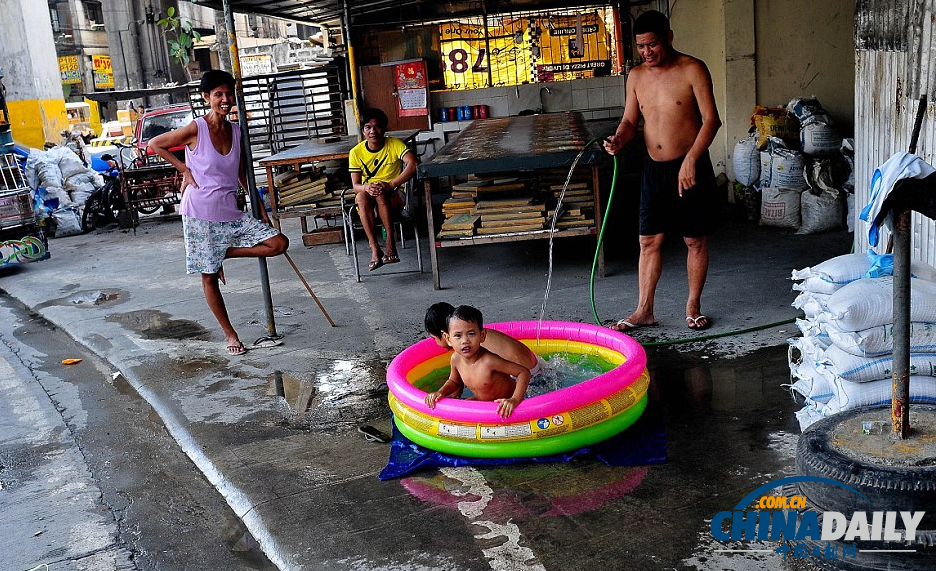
[266, 342]
[236, 349]
[371, 434]
[391, 259]
[625, 326]
[374, 264]
[698, 323]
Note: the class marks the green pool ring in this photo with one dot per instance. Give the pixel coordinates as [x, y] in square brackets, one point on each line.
[529, 448]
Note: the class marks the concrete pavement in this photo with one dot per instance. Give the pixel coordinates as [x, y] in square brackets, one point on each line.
[275, 430]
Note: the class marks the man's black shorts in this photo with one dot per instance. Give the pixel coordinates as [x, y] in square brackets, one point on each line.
[663, 211]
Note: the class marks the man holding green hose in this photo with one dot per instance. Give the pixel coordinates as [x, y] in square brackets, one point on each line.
[673, 93]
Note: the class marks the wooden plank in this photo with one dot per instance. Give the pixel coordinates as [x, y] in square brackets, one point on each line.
[527, 228]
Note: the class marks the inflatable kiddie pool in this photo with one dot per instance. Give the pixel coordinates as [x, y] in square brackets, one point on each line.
[558, 421]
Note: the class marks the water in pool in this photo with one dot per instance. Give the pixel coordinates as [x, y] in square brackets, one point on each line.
[560, 370]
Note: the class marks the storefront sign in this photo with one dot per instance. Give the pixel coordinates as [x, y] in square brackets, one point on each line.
[68, 68]
[259, 64]
[103, 73]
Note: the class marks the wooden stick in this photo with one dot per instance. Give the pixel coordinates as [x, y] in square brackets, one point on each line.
[306, 284]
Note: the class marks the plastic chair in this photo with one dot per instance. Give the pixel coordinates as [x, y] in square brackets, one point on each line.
[352, 221]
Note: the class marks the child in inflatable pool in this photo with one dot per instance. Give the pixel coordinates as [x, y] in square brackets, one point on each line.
[489, 376]
[500, 344]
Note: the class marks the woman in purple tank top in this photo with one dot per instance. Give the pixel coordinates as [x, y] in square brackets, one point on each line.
[213, 225]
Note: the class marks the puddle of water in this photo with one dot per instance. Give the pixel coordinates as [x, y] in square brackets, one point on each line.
[88, 298]
[152, 324]
[342, 392]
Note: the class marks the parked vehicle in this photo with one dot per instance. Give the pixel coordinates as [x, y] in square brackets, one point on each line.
[21, 238]
[155, 122]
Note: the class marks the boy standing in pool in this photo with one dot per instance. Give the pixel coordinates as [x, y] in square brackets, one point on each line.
[489, 376]
[501, 344]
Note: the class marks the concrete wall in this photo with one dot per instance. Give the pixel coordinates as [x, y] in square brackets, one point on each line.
[699, 30]
[31, 74]
[807, 48]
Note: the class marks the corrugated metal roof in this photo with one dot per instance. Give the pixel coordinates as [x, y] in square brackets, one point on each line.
[384, 13]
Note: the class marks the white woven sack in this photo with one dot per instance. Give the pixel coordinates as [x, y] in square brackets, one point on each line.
[850, 395]
[802, 357]
[869, 302]
[808, 415]
[818, 136]
[814, 390]
[878, 341]
[836, 363]
[813, 305]
[780, 207]
[787, 168]
[833, 273]
[746, 161]
[830, 275]
[821, 213]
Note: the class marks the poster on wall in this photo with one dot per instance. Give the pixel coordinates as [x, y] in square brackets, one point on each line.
[524, 49]
[68, 68]
[259, 64]
[572, 47]
[411, 88]
[103, 73]
[471, 62]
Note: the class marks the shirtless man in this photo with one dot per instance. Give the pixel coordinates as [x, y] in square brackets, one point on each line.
[673, 92]
[488, 376]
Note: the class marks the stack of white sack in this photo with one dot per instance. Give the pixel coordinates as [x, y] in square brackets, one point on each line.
[845, 357]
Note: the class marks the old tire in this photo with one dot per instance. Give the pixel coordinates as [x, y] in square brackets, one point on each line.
[888, 488]
[91, 216]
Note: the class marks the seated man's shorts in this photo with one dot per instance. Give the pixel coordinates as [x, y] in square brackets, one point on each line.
[206, 243]
[663, 211]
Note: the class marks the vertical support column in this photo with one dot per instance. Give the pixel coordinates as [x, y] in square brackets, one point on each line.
[31, 74]
[255, 203]
[738, 96]
[900, 400]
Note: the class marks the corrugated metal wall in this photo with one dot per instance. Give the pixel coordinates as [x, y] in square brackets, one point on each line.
[895, 47]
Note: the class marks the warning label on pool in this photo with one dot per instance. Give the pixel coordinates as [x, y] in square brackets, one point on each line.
[456, 431]
[511, 431]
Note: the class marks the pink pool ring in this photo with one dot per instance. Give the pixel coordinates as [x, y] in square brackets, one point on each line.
[555, 422]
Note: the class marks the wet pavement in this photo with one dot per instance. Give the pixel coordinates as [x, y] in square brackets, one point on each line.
[275, 430]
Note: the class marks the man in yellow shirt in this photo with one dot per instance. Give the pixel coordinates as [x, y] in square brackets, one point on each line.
[379, 165]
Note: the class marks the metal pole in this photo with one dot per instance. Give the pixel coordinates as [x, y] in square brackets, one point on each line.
[900, 399]
[487, 44]
[255, 203]
[352, 65]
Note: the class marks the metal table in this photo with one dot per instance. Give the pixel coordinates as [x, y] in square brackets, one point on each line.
[310, 152]
[550, 140]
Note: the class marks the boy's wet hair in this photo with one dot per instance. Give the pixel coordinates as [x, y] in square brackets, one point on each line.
[652, 22]
[374, 113]
[437, 317]
[469, 314]
[214, 78]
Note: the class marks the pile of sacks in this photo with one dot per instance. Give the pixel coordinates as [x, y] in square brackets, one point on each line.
[62, 184]
[794, 170]
[845, 357]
